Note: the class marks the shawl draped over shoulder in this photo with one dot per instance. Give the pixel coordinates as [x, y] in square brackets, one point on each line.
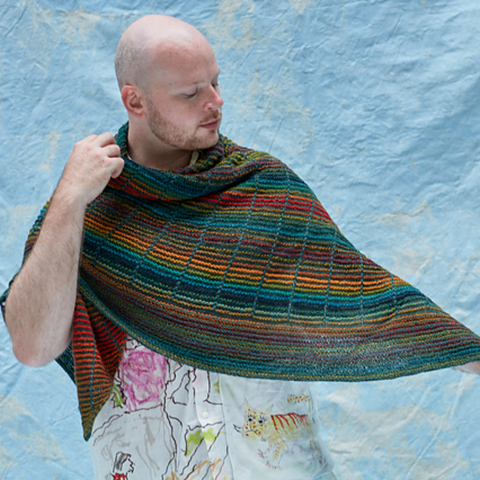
[232, 265]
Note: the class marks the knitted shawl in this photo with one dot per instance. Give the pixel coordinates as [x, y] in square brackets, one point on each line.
[232, 265]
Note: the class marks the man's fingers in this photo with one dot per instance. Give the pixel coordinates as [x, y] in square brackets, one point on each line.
[472, 367]
[105, 139]
[112, 150]
[118, 167]
[94, 160]
[90, 138]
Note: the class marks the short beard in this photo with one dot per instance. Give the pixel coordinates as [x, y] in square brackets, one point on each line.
[173, 135]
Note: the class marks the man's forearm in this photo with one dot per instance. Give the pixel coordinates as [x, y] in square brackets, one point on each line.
[40, 305]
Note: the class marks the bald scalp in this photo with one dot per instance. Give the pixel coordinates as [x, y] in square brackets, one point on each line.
[147, 43]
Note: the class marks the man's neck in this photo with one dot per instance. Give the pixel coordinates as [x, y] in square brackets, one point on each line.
[151, 155]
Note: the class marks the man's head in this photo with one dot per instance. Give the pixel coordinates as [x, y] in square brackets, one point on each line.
[168, 77]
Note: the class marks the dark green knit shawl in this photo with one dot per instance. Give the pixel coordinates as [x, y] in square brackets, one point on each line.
[233, 266]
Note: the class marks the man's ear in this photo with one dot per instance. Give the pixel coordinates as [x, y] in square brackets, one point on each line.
[133, 100]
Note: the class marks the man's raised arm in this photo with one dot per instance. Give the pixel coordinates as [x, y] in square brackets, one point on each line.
[40, 305]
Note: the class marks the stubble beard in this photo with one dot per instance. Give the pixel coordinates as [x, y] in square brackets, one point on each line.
[174, 136]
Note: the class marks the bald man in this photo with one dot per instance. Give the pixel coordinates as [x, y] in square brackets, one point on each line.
[164, 419]
[153, 416]
[168, 76]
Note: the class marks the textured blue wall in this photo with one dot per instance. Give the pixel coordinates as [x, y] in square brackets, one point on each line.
[376, 104]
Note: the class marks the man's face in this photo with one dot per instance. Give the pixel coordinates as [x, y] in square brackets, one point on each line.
[183, 105]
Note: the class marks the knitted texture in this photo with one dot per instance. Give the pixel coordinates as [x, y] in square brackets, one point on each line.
[232, 265]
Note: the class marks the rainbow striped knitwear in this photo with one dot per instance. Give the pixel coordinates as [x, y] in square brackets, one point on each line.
[232, 265]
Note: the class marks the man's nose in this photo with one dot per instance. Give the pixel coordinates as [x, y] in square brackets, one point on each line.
[214, 100]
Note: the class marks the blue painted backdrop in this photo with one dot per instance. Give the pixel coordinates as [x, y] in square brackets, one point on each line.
[376, 104]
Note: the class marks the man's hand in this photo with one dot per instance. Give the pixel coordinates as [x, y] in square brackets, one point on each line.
[40, 305]
[472, 367]
[94, 160]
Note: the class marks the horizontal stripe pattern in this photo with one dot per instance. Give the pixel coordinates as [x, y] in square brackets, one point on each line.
[233, 265]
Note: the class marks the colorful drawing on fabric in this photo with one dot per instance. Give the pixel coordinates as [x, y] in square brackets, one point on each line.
[278, 430]
[142, 379]
[154, 412]
[122, 466]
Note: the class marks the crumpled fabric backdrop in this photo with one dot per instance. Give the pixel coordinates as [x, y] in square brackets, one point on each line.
[376, 104]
